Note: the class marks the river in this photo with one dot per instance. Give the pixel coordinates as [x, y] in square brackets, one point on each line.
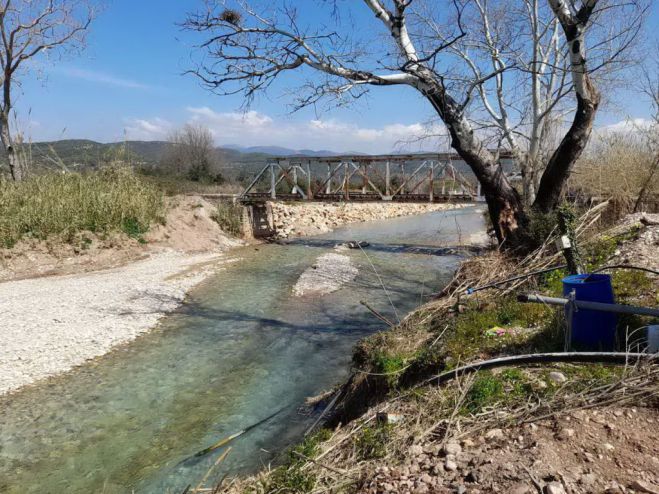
[241, 348]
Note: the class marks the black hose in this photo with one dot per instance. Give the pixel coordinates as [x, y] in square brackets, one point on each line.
[627, 266]
[514, 278]
[618, 358]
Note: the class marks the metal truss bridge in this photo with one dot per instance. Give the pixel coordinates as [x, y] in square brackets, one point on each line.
[399, 178]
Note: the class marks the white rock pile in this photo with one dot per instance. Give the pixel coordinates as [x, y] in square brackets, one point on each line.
[298, 219]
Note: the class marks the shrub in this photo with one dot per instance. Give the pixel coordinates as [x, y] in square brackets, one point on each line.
[372, 442]
[112, 199]
[230, 218]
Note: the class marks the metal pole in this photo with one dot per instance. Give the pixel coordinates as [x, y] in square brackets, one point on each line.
[273, 183]
[387, 180]
[431, 182]
[345, 181]
[328, 187]
[309, 192]
[583, 304]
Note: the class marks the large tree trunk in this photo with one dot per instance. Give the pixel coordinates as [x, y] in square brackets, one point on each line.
[15, 168]
[504, 203]
[588, 98]
[568, 152]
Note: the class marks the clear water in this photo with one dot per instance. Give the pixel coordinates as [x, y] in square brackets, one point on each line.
[241, 348]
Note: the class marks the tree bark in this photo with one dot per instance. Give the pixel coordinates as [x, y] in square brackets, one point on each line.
[504, 203]
[588, 98]
[15, 168]
[568, 152]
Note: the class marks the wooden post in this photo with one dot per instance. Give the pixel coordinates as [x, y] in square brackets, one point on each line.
[328, 186]
[364, 179]
[402, 170]
[346, 187]
[294, 191]
[273, 184]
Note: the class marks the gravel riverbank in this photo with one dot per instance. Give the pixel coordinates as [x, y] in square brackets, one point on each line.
[49, 325]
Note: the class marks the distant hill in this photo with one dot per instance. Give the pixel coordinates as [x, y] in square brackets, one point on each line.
[237, 163]
[84, 153]
[282, 151]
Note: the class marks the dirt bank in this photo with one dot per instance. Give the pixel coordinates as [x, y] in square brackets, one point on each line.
[188, 228]
[63, 304]
[300, 219]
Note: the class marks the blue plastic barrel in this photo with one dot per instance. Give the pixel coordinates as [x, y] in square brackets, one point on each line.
[592, 330]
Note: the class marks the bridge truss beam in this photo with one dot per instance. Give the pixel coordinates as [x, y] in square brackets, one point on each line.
[434, 178]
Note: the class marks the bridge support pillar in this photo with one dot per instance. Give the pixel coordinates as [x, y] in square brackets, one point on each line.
[258, 220]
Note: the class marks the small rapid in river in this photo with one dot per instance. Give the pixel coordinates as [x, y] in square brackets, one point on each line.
[241, 348]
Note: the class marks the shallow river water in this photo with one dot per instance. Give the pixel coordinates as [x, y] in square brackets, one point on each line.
[241, 348]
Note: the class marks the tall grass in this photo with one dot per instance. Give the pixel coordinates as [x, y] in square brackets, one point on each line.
[62, 204]
[230, 218]
[619, 166]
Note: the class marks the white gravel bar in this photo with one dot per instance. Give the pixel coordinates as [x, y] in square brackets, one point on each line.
[49, 325]
[329, 273]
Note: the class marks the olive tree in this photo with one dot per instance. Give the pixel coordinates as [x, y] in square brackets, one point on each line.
[414, 43]
[31, 29]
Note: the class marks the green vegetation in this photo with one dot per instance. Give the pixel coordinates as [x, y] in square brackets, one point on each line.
[506, 388]
[230, 218]
[470, 335]
[290, 477]
[372, 442]
[112, 199]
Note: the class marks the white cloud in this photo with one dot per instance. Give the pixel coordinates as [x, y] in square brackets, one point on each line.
[154, 129]
[100, 77]
[257, 129]
[628, 125]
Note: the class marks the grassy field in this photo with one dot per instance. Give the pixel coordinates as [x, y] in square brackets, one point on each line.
[56, 204]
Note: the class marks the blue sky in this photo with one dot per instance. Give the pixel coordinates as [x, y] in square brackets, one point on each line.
[128, 81]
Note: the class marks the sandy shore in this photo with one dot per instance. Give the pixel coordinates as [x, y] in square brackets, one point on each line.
[49, 325]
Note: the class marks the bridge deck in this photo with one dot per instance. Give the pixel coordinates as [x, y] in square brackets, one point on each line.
[257, 197]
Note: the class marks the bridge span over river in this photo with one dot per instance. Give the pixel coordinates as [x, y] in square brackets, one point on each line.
[436, 177]
[432, 177]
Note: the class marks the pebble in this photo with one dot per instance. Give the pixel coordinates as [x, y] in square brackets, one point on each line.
[416, 450]
[494, 434]
[557, 377]
[452, 448]
[566, 433]
[451, 465]
[522, 489]
[640, 486]
[554, 488]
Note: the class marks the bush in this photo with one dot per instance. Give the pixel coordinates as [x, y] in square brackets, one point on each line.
[230, 218]
[112, 199]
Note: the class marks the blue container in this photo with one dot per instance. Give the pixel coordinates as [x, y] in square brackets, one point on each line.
[592, 330]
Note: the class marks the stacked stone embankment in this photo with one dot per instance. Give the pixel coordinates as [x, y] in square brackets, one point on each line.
[298, 219]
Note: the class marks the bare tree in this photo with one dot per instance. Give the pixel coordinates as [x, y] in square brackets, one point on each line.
[650, 133]
[191, 153]
[524, 106]
[31, 28]
[247, 50]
